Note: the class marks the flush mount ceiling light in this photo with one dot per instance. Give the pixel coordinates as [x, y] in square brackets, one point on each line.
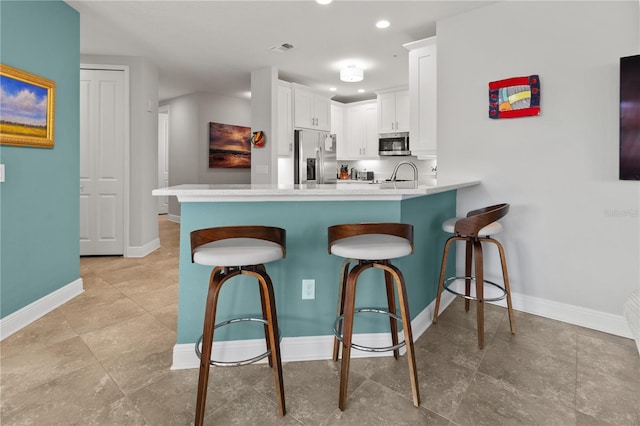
[382, 24]
[323, 1]
[351, 74]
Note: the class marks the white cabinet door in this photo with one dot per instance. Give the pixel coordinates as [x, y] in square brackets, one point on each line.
[101, 162]
[402, 111]
[311, 110]
[393, 111]
[423, 98]
[355, 131]
[362, 131]
[322, 112]
[284, 119]
[387, 113]
[337, 128]
[304, 107]
[370, 143]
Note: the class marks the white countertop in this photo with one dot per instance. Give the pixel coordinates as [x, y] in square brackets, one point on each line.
[388, 191]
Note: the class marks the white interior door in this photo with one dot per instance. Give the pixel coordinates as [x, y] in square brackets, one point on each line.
[102, 144]
[163, 158]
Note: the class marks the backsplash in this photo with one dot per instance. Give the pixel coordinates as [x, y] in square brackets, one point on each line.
[383, 168]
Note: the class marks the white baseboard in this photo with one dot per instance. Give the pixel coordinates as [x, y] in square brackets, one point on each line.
[306, 348]
[18, 320]
[632, 314]
[144, 250]
[320, 347]
[173, 218]
[589, 318]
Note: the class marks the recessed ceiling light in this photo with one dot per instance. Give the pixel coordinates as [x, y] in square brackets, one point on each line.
[332, 89]
[383, 23]
[323, 1]
[361, 90]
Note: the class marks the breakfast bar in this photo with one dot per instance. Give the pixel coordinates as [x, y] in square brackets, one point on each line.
[305, 212]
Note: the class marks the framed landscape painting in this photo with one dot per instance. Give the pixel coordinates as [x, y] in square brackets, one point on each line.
[229, 146]
[26, 108]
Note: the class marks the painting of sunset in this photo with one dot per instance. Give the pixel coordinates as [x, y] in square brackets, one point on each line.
[229, 146]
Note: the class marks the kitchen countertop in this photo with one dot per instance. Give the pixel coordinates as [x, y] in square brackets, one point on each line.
[332, 192]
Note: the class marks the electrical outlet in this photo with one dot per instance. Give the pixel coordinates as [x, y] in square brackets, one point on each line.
[308, 289]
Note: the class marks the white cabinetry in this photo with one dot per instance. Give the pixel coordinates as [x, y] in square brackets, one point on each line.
[337, 128]
[423, 98]
[311, 110]
[393, 111]
[361, 124]
[285, 119]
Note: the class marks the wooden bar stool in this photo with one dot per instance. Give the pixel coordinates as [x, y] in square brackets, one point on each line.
[476, 229]
[371, 245]
[233, 251]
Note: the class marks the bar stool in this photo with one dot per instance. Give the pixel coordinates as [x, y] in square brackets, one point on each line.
[233, 251]
[476, 229]
[371, 245]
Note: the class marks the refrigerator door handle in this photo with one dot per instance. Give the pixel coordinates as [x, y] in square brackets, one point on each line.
[319, 165]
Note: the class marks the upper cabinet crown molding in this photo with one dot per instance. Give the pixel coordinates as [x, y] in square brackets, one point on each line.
[423, 97]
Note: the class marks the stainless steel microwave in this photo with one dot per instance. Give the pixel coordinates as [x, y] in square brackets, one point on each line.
[394, 144]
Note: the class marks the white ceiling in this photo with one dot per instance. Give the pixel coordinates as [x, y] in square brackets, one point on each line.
[214, 45]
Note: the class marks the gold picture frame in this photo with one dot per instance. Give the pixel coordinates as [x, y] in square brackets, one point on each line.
[26, 108]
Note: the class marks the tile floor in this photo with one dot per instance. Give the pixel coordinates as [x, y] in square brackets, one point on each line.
[104, 358]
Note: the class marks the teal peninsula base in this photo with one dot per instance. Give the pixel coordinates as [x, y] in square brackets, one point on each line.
[306, 326]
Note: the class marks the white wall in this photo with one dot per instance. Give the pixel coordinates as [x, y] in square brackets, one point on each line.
[572, 233]
[189, 118]
[143, 148]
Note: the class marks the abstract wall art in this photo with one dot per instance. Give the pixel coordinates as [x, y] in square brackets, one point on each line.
[514, 97]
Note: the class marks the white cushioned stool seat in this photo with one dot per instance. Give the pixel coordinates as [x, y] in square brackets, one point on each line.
[237, 251]
[372, 247]
[491, 229]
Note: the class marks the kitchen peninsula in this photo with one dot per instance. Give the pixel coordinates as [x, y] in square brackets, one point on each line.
[305, 212]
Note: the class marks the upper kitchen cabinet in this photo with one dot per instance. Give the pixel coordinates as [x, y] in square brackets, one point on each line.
[361, 132]
[311, 110]
[423, 98]
[285, 121]
[337, 127]
[393, 111]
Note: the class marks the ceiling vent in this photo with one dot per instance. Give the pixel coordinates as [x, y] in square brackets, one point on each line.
[281, 48]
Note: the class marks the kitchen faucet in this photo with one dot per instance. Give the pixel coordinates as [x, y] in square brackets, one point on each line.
[395, 170]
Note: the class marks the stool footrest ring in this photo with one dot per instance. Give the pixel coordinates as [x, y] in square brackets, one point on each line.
[486, 299]
[240, 362]
[369, 348]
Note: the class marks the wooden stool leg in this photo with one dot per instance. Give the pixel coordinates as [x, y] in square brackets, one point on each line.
[347, 334]
[408, 335]
[391, 304]
[477, 254]
[467, 272]
[341, 288]
[215, 283]
[507, 287]
[263, 303]
[443, 269]
[266, 287]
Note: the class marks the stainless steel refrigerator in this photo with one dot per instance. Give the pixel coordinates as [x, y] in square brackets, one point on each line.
[314, 157]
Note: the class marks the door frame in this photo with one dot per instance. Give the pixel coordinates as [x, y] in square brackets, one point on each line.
[164, 109]
[126, 131]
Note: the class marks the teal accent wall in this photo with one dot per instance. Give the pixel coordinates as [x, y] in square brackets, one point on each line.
[307, 257]
[39, 200]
